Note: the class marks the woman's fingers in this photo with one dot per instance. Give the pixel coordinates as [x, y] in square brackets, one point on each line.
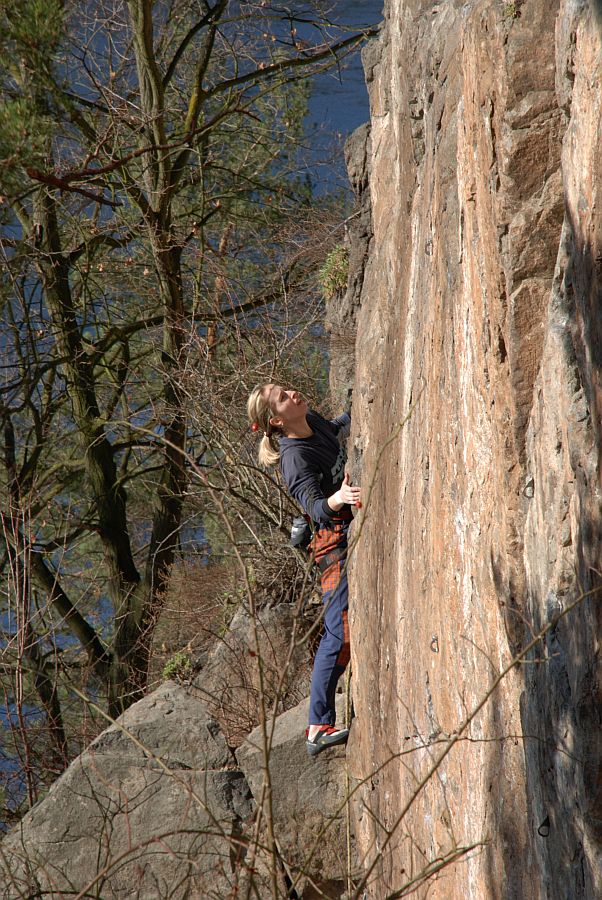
[350, 493]
[354, 497]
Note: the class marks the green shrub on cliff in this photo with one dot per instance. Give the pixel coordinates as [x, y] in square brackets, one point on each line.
[511, 9]
[332, 277]
[178, 668]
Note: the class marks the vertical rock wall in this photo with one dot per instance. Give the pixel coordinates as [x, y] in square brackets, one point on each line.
[481, 316]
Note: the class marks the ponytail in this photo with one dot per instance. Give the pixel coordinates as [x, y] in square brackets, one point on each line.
[268, 452]
[260, 414]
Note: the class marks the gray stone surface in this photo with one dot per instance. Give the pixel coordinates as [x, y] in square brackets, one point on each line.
[158, 807]
[308, 799]
[122, 825]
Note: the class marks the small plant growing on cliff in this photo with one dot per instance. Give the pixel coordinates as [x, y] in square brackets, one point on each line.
[511, 9]
[332, 277]
[178, 667]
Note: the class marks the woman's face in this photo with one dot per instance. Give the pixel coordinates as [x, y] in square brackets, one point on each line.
[287, 405]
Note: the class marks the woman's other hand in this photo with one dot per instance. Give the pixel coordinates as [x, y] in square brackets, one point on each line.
[347, 493]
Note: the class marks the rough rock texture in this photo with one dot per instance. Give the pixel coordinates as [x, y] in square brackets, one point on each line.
[480, 314]
[121, 825]
[157, 807]
[308, 802]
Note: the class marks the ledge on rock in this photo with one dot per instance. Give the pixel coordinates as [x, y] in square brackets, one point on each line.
[308, 801]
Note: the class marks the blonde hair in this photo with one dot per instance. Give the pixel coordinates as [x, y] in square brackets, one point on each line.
[260, 413]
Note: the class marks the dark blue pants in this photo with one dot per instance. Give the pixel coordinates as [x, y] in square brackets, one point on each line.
[332, 655]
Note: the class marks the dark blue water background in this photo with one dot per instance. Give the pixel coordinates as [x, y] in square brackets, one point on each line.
[339, 101]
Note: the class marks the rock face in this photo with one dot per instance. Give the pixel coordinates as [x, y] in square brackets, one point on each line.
[229, 680]
[480, 322]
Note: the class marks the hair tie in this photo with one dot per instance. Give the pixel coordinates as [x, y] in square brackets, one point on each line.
[255, 427]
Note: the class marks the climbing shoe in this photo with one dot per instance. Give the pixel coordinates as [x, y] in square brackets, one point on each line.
[327, 736]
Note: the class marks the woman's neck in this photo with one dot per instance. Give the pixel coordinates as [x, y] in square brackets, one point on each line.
[300, 429]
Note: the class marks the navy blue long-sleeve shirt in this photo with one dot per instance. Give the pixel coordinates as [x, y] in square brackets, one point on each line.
[313, 467]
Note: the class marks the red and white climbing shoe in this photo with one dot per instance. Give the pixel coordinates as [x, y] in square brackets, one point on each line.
[327, 736]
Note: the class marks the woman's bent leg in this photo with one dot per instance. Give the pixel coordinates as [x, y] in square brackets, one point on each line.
[332, 655]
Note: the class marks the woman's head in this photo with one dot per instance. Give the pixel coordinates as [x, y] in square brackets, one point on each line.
[274, 410]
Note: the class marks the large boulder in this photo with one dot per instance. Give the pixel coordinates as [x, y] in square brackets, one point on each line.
[153, 808]
[158, 806]
[308, 799]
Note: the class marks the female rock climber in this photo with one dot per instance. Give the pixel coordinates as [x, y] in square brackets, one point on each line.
[312, 463]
